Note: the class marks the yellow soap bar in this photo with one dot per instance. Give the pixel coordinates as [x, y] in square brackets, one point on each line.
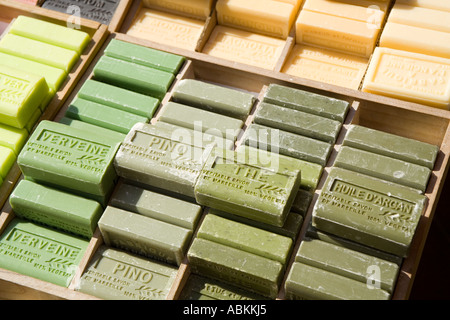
[420, 17]
[325, 65]
[432, 4]
[409, 76]
[192, 8]
[337, 33]
[166, 28]
[244, 47]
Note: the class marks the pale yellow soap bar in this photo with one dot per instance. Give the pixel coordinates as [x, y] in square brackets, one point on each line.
[443, 5]
[166, 28]
[420, 17]
[409, 76]
[244, 47]
[326, 66]
[193, 8]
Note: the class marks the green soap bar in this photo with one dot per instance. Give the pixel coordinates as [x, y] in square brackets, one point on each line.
[94, 129]
[33, 120]
[13, 138]
[132, 76]
[144, 56]
[391, 145]
[144, 236]
[21, 93]
[67, 157]
[386, 168]
[288, 144]
[39, 51]
[248, 271]
[40, 252]
[303, 123]
[103, 116]
[307, 101]
[53, 76]
[311, 283]
[302, 201]
[51, 33]
[158, 158]
[118, 275]
[7, 159]
[246, 238]
[212, 97]
[44, 104]
[201, 120]
[119, 98]
[373, 212]
[62, 210]
[348, 263]
[157, 206]
[228, 182]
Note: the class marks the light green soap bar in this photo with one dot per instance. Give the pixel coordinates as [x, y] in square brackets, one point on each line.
[33, 120]
[39, 51]
[7, 159]
[21, 93]
[157, 206]
[248, 271]
[244, 237]
[311, 283]
[373, 212]
[103, 116]
[307, 101]
[144, 56]
[144, 236]
[13, 138]
[118, 275]
[41, 252]
[94, 129]
[211, 97]
[299, 122]
[386, 168]
[391, 145]
[118, 98]
[201, 120]
[348, 263]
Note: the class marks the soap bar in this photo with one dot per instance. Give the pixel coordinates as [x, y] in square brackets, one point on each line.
[70, 158]
[144, 236]
[145, 56]
[132, 76]
[195, 8]
[38, 51]
[7, 160]
[41, 252]
[103, 116]
[311, 283]
[420, 17]
[20, 95]
[248, 271]
[230, 183]
[117, 136]
[386, 168]
[348, 263]
[307, 101]
[246, 238]
[118, 98]
[157, 206]
[391, 145]
[287, 143]
[431, 4]
[409, 76]
[13, 138]
[368, 210]
[299, 122]
[212, 97]
[201, 120]
[156, 157]
[118, 275]
[302, 201]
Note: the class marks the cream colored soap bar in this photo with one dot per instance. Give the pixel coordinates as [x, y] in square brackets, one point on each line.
[420, 17]
[432, 4]
[192, 8]
[409, 76]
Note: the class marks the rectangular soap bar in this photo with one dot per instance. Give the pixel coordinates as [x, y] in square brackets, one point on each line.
[157, 206]
[420, 17]
[62, 210]
[386, 168]
[40, 252]
[431, 4]
[118, 275]
[391, 145]
[306, 101]
[195, 8]
[409, 76]
[7, 160]
[368, 210]
[13, 138]
[230, 183]
[302, 202]
[212, 97]
[144, 236]
[94, 129]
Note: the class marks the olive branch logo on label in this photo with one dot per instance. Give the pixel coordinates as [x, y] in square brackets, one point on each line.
[59, 263]
[89, 159]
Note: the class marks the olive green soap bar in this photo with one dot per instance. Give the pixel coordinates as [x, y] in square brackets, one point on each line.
[368, 210]
[62, 210]
[13, 138]
[118, 275]
[7, 159]
[41, 252]
[94, 129]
